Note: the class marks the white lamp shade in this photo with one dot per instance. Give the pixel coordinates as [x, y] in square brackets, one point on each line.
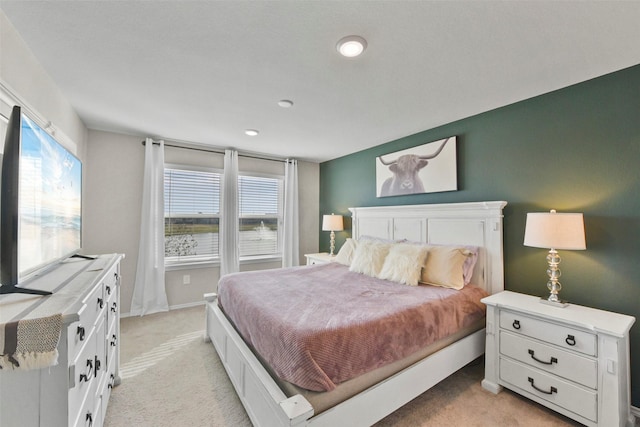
[332, 223]
[552, 230]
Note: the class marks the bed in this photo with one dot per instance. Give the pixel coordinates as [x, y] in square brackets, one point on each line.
[273, 401]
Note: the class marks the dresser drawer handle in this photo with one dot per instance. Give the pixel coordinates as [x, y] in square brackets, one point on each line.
[570, 340]
[97, 366]
[108, 288]
[516, 324]
[114, 307]
[100, 303]
[553, 359]
[89, 419]
[80, 332]
[89, 374]
[551, 391]
[114, 340]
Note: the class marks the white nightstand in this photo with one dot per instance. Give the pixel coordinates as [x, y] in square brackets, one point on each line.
[321, 258]
[574, 360]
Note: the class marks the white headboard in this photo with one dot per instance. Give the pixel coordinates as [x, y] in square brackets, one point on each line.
[476, 223]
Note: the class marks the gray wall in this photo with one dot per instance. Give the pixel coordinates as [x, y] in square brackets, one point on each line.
[24, 76]
[575, 150]
[112, 174]
[113, 194]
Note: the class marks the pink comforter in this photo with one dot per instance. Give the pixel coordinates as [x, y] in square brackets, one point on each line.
[317, 326]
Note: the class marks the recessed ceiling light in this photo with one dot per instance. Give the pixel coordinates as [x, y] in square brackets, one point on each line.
[351, 46]
[251, 132]
[285, 103]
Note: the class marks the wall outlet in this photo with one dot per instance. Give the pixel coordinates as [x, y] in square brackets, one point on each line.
[186, 279]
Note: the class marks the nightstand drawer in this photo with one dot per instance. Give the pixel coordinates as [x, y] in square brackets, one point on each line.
[560, 335]
[554, 360]
[550, 388]
[320, 258]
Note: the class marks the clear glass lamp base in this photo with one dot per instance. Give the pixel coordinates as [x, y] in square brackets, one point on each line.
[553, 284]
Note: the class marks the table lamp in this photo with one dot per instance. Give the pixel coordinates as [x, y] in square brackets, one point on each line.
[332, 223]
[553, 230]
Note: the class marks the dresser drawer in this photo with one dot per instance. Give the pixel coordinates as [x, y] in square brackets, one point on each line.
[112, 309]
[552, 389]
[554, 360]
[110, 282]
[95, 303]
[553, 333]
[82, 374]
[88, 416]
[111, 344]
[79, 332]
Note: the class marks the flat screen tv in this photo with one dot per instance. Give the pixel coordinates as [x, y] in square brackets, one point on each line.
[40, 207]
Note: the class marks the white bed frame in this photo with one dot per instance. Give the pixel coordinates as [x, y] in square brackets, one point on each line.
[477, 223]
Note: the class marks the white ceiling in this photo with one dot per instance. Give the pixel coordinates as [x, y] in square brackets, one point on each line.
[204, 71]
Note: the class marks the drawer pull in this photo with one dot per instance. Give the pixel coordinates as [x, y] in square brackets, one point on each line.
[112, 379]
[114, 340]
[551, 391]
[88, 375]
[89, 419]
[80, 332]
[100, 302]
[570, 340]
[114, 307]
[108, 288]
[516, 324]
[97, 366]
[553, 359]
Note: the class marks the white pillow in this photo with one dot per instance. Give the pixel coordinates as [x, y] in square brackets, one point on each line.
[345, 254]
[369, 257]
[404, 263]
[444, 266]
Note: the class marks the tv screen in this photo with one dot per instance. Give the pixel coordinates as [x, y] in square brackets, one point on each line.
[48, 181]
[49, 200]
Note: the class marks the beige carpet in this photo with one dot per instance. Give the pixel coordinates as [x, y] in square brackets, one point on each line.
[171, 377]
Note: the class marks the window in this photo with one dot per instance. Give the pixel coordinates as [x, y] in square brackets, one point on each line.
[191, 215]
[260, 206]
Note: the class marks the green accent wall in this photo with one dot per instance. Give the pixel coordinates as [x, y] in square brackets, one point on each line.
[576, 149]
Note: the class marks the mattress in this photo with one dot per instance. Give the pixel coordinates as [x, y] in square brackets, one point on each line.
[317, 327]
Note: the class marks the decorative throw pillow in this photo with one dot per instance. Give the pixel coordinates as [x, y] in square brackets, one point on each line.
[345, 254]
[470, 263]
[444, 266]
[404, 263]
[368, 257]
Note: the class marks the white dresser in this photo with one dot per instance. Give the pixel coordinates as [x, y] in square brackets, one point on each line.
[574, 360]
[75, 392]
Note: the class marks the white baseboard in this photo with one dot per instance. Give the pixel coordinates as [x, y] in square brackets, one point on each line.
[187, 305]
[171, 307]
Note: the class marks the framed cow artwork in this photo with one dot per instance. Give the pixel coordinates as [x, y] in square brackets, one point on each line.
[428, 168]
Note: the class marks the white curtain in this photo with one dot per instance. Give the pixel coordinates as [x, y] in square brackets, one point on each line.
[149, 295]
[229, 256]
[290, 232]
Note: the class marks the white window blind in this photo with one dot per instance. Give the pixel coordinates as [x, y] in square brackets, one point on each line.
[260, 200]
[192, 215]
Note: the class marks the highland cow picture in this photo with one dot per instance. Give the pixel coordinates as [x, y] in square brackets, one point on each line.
[428, 168]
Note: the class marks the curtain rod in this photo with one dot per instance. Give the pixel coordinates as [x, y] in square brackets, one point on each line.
[213, 150]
